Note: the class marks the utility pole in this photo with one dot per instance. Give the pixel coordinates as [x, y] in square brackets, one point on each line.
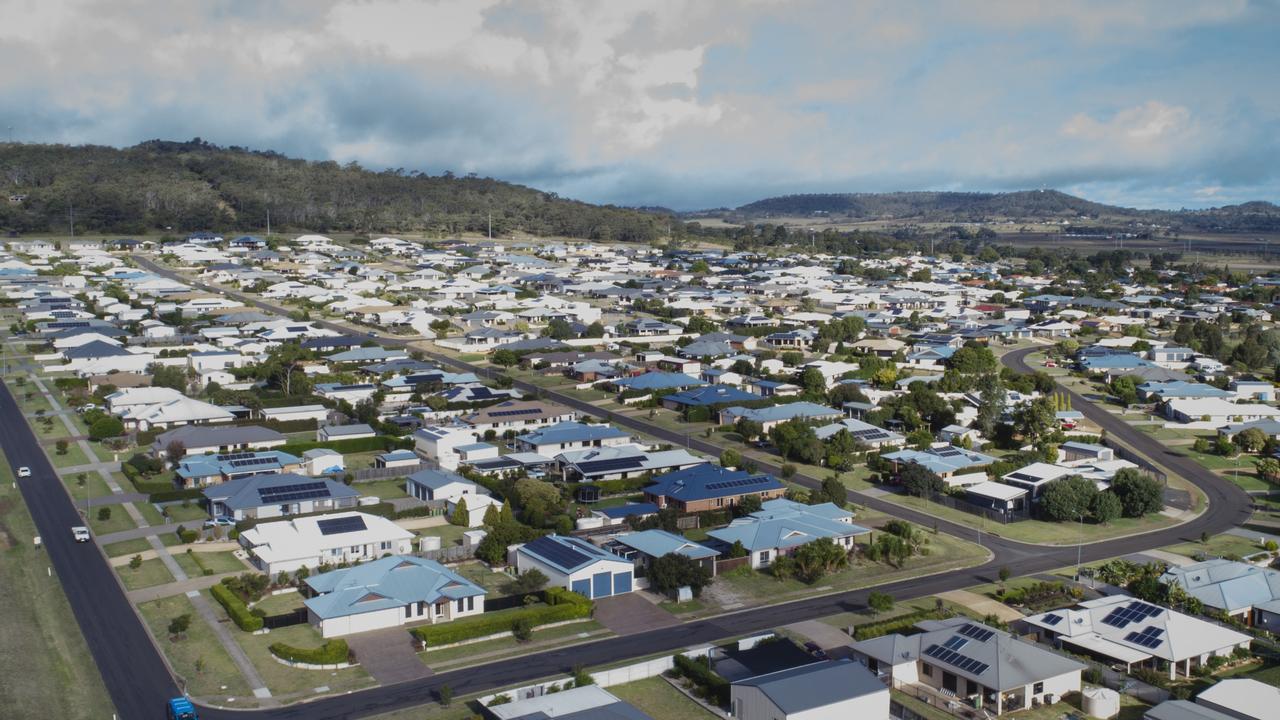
[268, 224]
[490, 226]
[72, 212]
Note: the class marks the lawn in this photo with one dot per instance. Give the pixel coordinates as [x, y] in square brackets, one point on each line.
[150, 514]
[94, 486]
[1038, 531]
[1218, 546]
[190, 513]
[284, 680]
[361, 461]
[198, 659]
[149, 574]
[675, 608]
[117, 520]
[480, 574]
[127, 547]
[51, 431]
[490, 650]
[75, 455]
[1247, 479]
[279, 604]
[449, 534]
[1130, 709]
[659, 700]
[33, 404]
[194, 563]
[382, 489]
[47, 667]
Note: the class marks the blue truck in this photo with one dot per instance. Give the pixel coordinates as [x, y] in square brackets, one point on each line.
[180, 708]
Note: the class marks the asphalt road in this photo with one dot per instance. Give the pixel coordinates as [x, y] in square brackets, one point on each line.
[139, 680]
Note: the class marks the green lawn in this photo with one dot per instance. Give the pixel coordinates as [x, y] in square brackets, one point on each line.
[194, 563]
[285, 680]
[449, 534]
[119, 520]
[75, 455]
[382, 489]
[198, 659]
[659, 700]
[51, 431]
[360, 461]
[1247, 478]
[150, 514]
[149, 574]
[279, 604]
[33, 404]
[1038, 531]
[460, 655]
[1218, 546]
[676, 608]
[127, 547]
[191, 513]
[480, 574]
[47, 668]
[1130, 709]
[94, 485]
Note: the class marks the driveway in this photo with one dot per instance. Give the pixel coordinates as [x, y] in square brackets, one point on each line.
[828, 637]
[631, 613]
[388, 656]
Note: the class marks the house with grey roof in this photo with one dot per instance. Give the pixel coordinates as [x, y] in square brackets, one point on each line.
[1247, 592]
[588, 702]
[782, 526]
[389, 592]
[828, 689]
[960, 663]
[277, 495]
[645, 546]
[202, 439]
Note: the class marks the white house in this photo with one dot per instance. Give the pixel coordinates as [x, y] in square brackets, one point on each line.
[323, 540]
[389, 592]
[440, 443]
[828, 690]
[296, 412]
[440, 485]
[577, 565]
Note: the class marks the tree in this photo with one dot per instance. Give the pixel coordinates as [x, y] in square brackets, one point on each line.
[445, 694]
[60, 447]
[991, 404]
[522, 629]
[738, 550]
[879, 602]
[104, 514]
[973, 360]
[749, 504]
[1268, 468]
[1068, 498]
[815, 559]
[919, 480]
[1251, 440]
[107, 427]
[492, 516]
[1105, 507]
[1125, 390]
[1004, 574]
[505, 358]
[461, 515]
[813, 381]
[1139, 494]
[179, 625]
[1035, 419]
[169, 376]
[135, 562]
[526, 583]
[835, 491]
[175, 451]
[730, 458]
[673, 571]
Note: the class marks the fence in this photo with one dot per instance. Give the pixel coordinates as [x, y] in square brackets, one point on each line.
[297, 617]
[1124, 453]
[603, 678]
[963, 505]
[453, 553]
[387, 472]
[723, 566]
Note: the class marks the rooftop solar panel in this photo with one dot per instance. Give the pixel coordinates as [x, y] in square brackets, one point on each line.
[1052, 619]
[507, 413]
[611, 464]
[337, 526]
[235, 456]
[956, 660]
[565, 557]
[976, 632]
[955, 643]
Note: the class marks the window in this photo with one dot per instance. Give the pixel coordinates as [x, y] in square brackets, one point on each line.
[408, 610]
[459, 604]
[926, 669]
[1037, 688]
[471, 603]
[422, 607]
[764, 556]
[386, 545]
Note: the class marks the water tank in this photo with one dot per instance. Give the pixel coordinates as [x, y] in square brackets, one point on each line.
[1100, 702]
[589, 523]
[429, 542]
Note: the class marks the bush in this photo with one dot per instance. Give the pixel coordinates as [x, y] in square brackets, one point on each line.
[560, 608]
[107, 427]
[353, 445]
[522, 629]
[713, 687]
[332, 652]
[238, 611]
[186, 536]
[893, 625]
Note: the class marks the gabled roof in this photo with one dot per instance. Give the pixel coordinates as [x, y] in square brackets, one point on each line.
[659, 381]
[784, 524]
[707, 481]
[436, 479]
[816, 685]
[1226, 584]
[572, 432]
[259, 490]
[656, 543]
[389, 582]
[567, 554]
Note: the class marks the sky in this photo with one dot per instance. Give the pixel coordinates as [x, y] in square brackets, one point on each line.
[686, 104]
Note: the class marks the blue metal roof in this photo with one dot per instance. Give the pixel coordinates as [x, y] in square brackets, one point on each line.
[571, 432]
[711, 395]
[790, 411]
[706, 481]
[389, 582]
[656, 543]
[567, 554]
[659, 381]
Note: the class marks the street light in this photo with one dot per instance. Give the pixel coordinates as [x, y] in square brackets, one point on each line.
[1080, 547]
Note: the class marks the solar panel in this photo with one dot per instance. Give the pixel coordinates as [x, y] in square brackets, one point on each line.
[955, 643]
[1118, 618]
[289, 493]
[870, 434]
[1148, 638]
[235, 456]
[947, 452]
[980, 634]
[507, 413]
[1145, 610]
[565, 557]
[337, 526]
[1051, 619]
[250, 462]
[956, 660]
[609, 465]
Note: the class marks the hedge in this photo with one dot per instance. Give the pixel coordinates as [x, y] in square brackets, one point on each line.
[713, 686]
[892, 625]
[622, 485]
[236, 608]
[351, 445]
[561, 608]
[332, 652]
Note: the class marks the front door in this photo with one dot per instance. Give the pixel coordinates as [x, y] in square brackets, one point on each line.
[948, 681]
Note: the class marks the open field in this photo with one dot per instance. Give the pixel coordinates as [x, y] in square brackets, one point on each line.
[45, 667]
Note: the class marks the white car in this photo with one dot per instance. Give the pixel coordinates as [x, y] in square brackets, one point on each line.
[80, 533]
[24, 471]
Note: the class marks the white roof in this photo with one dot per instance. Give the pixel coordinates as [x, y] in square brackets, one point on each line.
[1242, 697]
[301, 538]
[998, 491]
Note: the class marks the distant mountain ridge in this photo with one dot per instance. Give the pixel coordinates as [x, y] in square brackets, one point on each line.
[1019, 205]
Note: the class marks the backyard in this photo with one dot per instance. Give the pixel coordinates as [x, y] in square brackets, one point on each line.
[660, 700]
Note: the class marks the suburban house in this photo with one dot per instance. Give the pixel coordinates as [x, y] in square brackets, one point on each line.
[389, 592]
[946, 461]
[313, 541]
[645, 546]
[356, 431]
[781, 526]
[268, 496]
[870, 435]
[201, 470]
[621, 462]
[1246, 592]
[710, 487]
[172, 413]
[960, 661]
[439, 485]
[588, 702]
[1217, 412]
[768, 417]
[1119, 629]
[1241, 699]
[718, 394]
[441, 443]
[577, 565]
[557, 438]
[517, 415]
[827, 690]
[200, 439]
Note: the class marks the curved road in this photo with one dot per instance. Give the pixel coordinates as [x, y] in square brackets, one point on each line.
[139, 680]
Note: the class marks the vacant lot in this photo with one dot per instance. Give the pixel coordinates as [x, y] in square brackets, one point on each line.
[46, 670]
[149, 574]
[656, 697]
[197, 658]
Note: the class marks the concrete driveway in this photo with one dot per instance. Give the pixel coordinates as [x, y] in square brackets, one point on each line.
[631, 613]
[388, 656]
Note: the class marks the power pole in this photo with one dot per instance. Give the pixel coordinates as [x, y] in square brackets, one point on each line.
[490, 226]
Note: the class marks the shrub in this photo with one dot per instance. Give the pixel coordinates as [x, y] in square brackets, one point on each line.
[237, 610]
[712, 686]
[522, 629]
[104, 514]
[560, 608]
[332, 652]
[893, 625]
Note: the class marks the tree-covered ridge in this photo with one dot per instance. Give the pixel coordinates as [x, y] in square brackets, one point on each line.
[186, 186]
[1027, 205]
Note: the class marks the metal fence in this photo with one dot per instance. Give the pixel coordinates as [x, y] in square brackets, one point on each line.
[453, 553]
[389, 472]
[297, 617]
[963, 505]
[1124, 453]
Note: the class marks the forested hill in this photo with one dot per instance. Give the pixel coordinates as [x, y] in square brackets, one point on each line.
[185, 186]
[1023, 205]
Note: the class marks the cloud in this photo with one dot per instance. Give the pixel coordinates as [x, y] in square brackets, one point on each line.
[686, 103]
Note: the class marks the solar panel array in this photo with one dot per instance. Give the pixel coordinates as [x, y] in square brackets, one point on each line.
[956, 660]
[1133, 612]
[609, 465]
[976, 632]
[291, 493]
[1024, 477]
[508, 413]
[948, 452]
[235, 456]
[1148, 638]
[870, 434]
[1051, 619]
[253, 461]
[739, 483]
[557, 553]
[956, 642]
[337, 526]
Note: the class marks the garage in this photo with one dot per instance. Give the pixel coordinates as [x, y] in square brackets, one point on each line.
[577, 565]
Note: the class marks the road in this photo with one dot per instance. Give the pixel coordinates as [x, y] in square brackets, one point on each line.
[139, 680]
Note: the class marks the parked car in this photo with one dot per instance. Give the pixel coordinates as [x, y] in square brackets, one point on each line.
[24, 471]
[87, 407]
[816, 650]
[223, 521]
[80, 533]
